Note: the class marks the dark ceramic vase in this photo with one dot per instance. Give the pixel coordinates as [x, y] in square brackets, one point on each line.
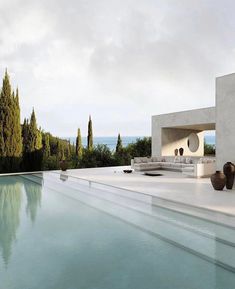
[176, 152]
[181, 151]
[63, 165]
[229, 171]
[218, 181]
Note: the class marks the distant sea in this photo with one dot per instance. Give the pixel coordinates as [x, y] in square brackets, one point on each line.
[111, 141]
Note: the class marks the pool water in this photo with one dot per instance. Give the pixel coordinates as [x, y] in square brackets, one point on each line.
[58, 232]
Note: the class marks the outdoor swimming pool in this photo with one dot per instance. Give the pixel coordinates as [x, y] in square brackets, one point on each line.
[59, 232]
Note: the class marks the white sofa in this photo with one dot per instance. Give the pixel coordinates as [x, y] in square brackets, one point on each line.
[194, 167]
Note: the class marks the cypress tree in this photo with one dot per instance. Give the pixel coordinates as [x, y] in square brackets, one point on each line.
[10, 127]
[2, 149]
[47, 149]
[25, 133]
[33, 133]
[39, 140]
[68, 150]
[79, 144]
[32, 138]
[2, 144]
[119, 144]
[6, 114]
[60, 150]
[17, 137]
[90, 135]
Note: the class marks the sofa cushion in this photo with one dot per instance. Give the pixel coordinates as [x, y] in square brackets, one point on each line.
[155, 159]
[187, 169]
[188, 165]
[139, 160]
[188, 160]
[183, 160]
[177, 160]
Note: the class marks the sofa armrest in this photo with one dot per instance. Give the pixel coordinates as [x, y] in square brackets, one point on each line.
[205, 170]
[132, 163]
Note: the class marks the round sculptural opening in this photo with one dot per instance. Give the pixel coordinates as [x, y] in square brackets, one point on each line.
[193, 142]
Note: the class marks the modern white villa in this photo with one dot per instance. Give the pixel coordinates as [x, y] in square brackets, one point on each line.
[185, 130]
[102, 228]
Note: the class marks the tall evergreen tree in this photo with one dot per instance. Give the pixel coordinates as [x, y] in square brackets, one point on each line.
[90, 135]
[32, 138]
[39, 140]
[60, 150]
[2, 144]
[119, 144]
[79, 144]
[33, 133]
[68, 150]
[47, 149]
[10, 127]
[17, 136]
[25, 134]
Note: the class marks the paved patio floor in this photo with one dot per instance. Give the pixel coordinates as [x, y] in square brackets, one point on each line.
[171, 186]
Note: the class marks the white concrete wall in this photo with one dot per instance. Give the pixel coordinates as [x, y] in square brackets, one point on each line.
[225, 120]
[174, 138]
[199, 120]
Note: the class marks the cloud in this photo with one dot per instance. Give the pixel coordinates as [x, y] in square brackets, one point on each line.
[120, 61]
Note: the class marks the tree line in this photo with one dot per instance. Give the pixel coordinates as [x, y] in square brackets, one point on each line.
[26, 147]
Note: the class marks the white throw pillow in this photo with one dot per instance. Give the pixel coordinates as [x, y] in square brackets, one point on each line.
[177, 160]
[188, 161]
[144, 160]
[137, 160]
[182, 160]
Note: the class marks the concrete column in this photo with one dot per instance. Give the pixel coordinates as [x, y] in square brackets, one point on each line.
[225, 120]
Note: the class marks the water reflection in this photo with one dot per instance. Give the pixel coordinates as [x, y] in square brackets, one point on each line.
[11, 196]
[10, 202]
[34, 194]
[63, 177]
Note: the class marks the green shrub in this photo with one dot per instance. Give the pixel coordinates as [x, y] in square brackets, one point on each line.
[209, 149]
[99, 156]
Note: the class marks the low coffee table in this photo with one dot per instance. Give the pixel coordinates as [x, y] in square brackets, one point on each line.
[153, 174]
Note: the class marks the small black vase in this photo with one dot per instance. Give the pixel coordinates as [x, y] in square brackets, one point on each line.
[229, 171]
[181, 151]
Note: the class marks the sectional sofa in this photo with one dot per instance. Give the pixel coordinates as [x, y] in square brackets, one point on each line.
[194, 167]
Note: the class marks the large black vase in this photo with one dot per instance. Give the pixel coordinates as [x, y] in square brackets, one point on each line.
[229, 171]
[218, 181]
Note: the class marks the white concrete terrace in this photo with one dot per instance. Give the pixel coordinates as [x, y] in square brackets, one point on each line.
[172, 187]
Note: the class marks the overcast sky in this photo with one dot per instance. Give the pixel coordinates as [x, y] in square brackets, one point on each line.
[119, 60]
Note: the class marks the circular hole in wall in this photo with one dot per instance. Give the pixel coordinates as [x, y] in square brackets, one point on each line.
[193, 142]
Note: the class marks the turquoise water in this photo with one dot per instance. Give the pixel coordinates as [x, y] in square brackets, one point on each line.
[57, 232]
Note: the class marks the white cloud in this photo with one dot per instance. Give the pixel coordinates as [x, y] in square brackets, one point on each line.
[121, 61]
